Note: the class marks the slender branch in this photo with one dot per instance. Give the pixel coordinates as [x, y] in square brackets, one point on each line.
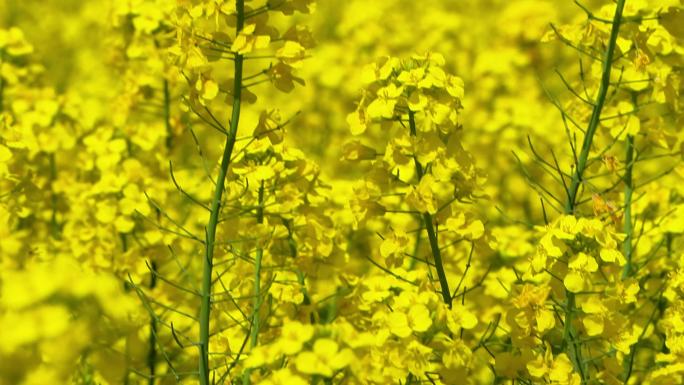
[629, 189]
[568, 329]
[55, 228]
[2, 81]
[152, 349]
[167, 116]
[205, 307]
[429, 227]
[254, 330]
[596, 113]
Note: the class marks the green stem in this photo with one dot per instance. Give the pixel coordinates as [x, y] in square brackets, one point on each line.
[628, 270]
[167, 115]
[54, 225]
[629, 189]
[127, 354]
[292, 244]
[570, 335]
[429, 227]
[568, 330]
[2, 81]
[416, 247]
[152, 350]
[256, 321]
[437, 255]
[205, 307]
[596, 113]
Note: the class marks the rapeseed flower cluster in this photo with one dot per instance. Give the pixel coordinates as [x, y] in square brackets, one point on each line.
[361, 192]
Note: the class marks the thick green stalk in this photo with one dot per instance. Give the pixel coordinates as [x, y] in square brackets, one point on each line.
[256, 321]
[205, 308]
[629, 189]
[437, 255]
[568, 330]
[569, 334]
[429, 227]
[596, 113]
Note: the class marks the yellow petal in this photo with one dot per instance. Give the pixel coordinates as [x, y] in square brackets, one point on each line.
[357, 125]
[561, 369]
[210, 90]
[545, 320]
[419, 318]
[398, 324]
[573, 282]
[537, 368]
[593, 324]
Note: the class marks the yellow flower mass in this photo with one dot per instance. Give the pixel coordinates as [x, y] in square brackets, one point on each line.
[289, 192]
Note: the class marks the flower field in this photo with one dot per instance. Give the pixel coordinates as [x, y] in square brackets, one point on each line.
[290, 192]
